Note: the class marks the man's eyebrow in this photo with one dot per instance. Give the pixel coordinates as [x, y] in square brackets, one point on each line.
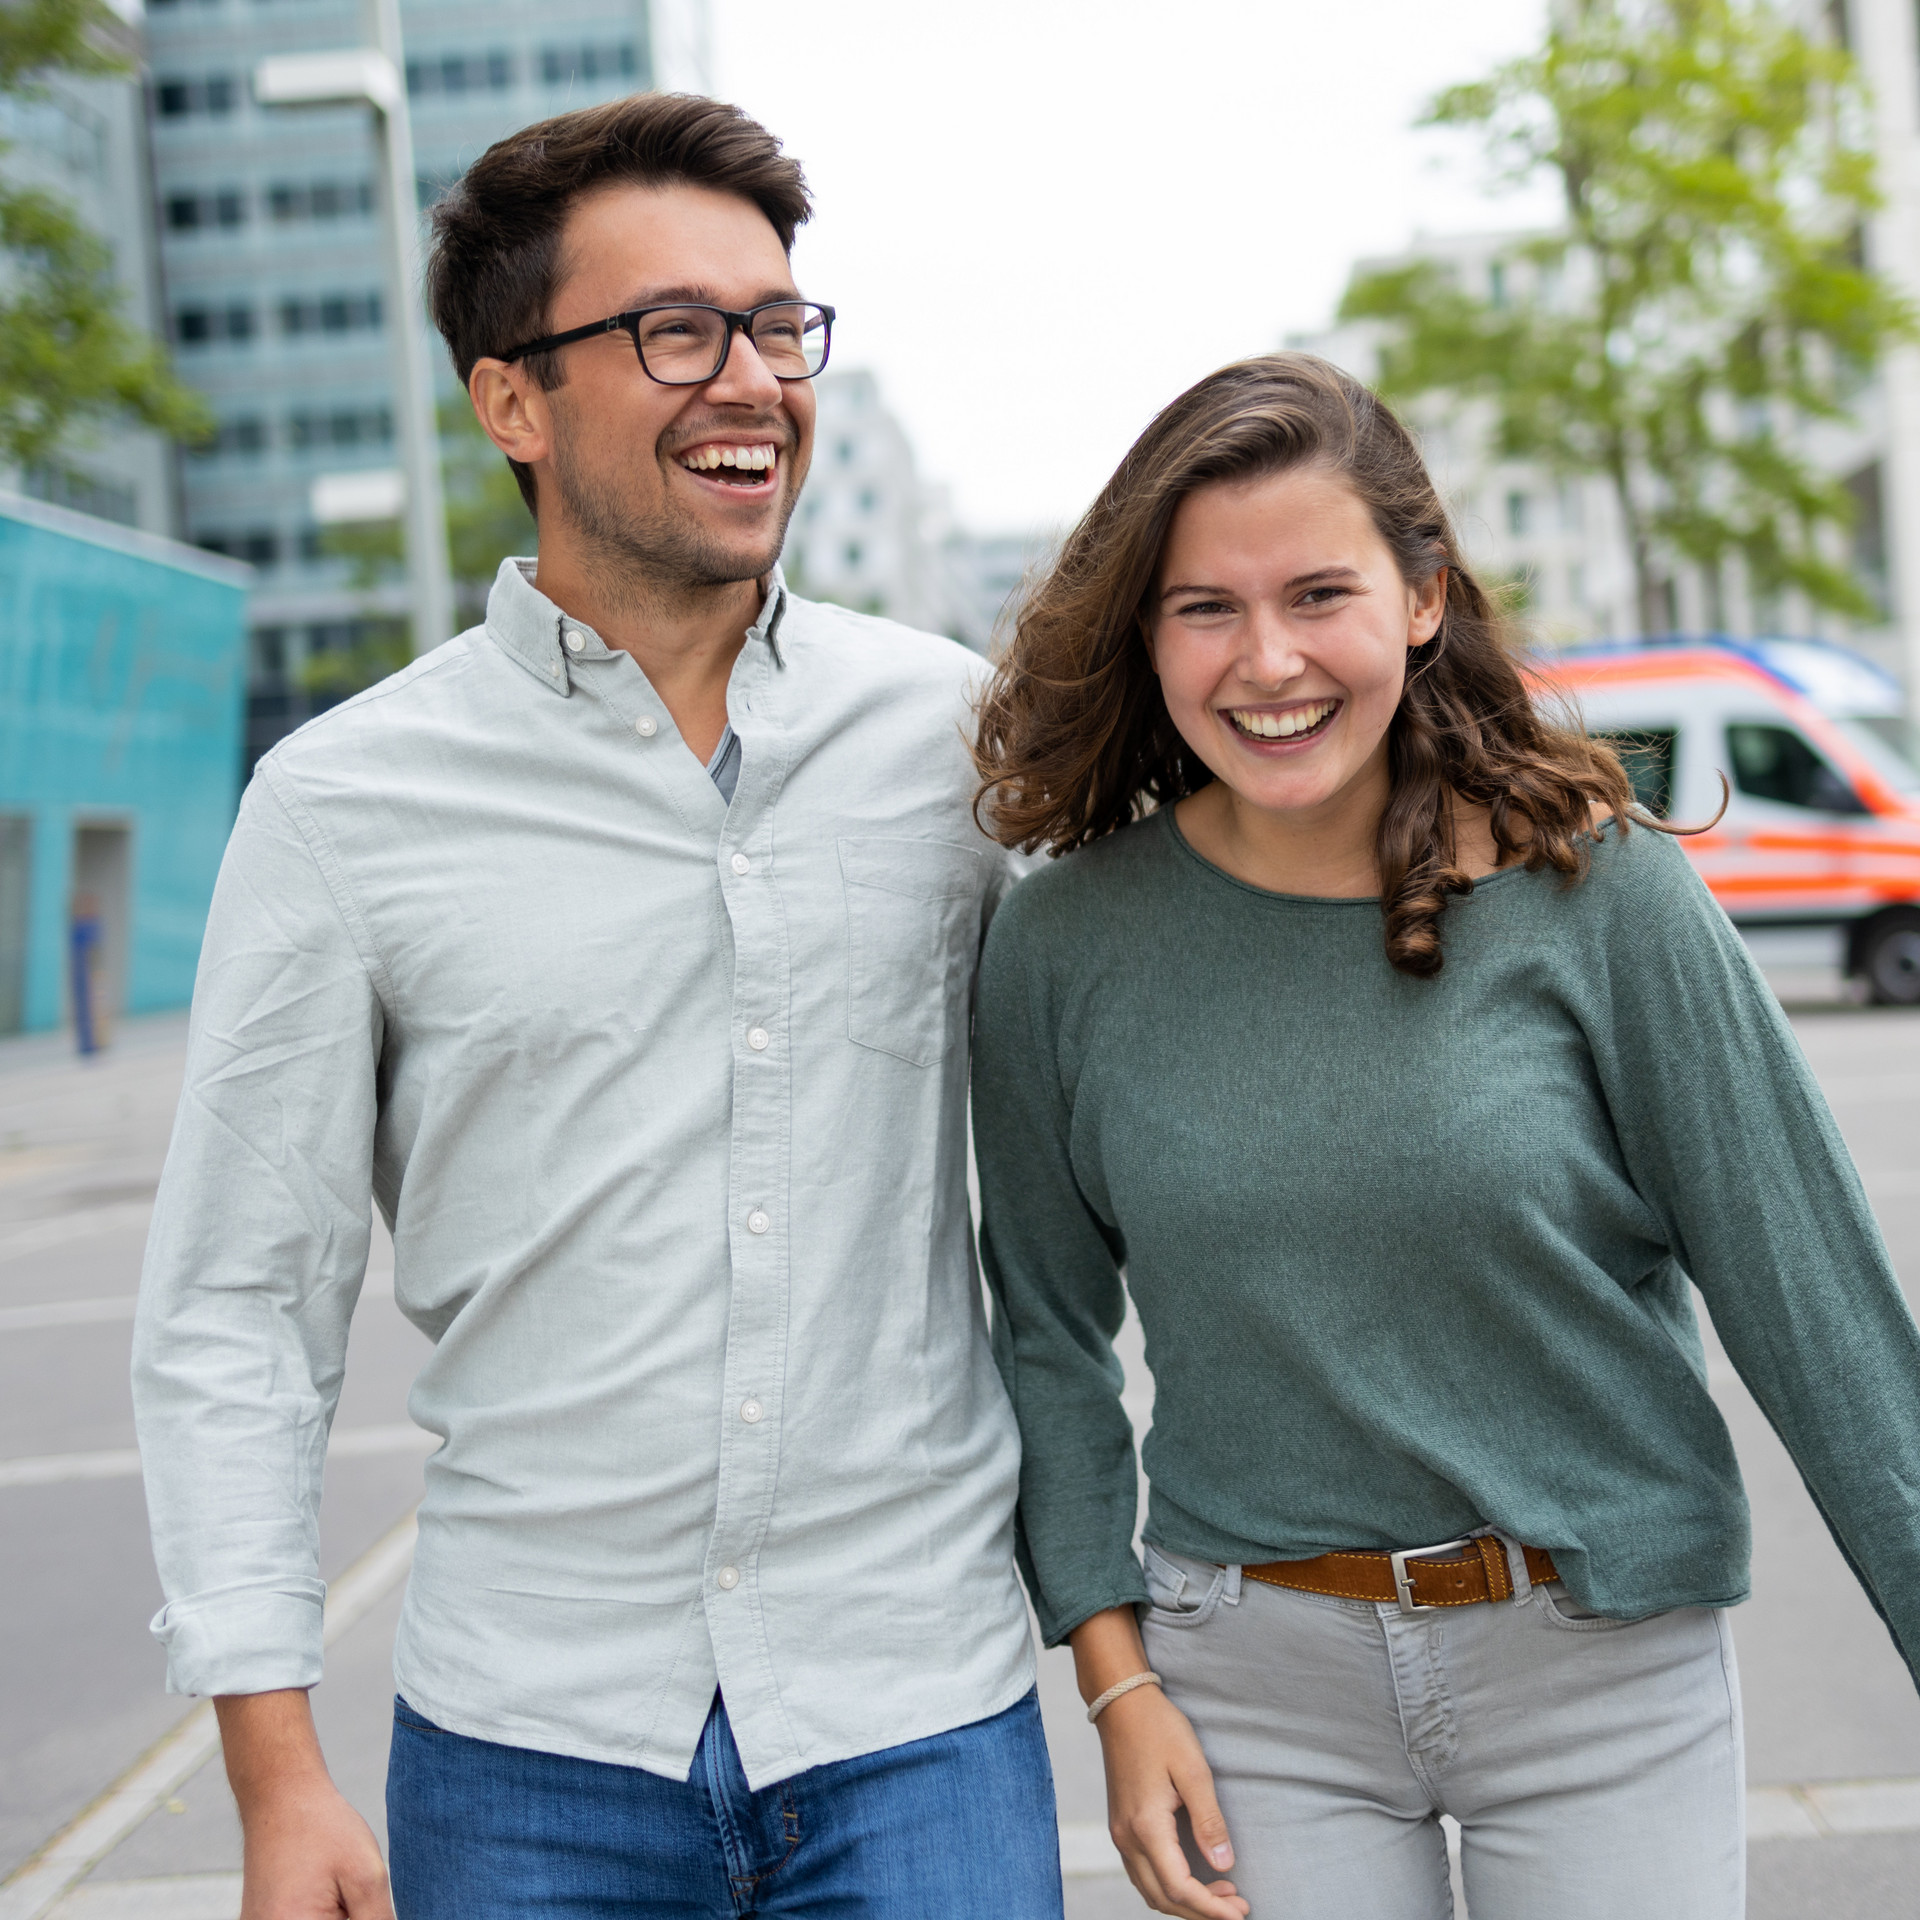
[692, 295]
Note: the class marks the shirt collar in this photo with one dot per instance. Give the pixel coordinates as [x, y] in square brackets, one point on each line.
[529, 627]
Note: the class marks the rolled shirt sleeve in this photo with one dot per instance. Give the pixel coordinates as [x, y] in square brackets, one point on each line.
[256, 1258]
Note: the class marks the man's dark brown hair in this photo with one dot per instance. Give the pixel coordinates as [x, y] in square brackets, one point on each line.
[496, 236]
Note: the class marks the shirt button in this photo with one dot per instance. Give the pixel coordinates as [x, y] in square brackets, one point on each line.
[646, 726]
[741, 864]
[728, 1578]
[757, 1039]
[757, 1222]
[575, 640]
[750, 1411]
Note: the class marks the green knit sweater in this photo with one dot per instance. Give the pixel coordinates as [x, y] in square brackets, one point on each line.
[1412, 1256]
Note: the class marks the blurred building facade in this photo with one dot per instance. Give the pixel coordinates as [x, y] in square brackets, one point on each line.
[84, 140]
[871, 534]
[1559, 543]
[1556, 543]
[270, 253]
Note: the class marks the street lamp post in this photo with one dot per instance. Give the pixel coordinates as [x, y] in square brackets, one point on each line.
[375, 76]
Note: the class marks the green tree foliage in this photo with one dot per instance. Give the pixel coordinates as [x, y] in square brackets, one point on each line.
[68, 355]
[1705, 302]
[486, 521]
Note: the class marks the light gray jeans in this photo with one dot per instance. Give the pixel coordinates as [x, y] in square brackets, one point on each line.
[1595, 1766]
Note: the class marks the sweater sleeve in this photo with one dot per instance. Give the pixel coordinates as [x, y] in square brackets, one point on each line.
[1052, 1266]
[1727, 1137]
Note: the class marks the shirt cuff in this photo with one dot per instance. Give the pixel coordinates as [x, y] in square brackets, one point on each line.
[247, 1639]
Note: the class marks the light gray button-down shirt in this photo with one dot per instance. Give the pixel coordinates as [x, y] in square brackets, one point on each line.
[664, 1100]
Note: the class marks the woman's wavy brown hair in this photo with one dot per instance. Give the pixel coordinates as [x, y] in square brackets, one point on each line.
[1075, 739]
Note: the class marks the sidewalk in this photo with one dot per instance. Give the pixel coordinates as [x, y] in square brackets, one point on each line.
[81, 1145]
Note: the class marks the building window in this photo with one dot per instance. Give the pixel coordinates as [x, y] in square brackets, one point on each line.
[458, 73]
[343, 427]
[1519, 512]
[199, 326]
[330, 313]
[269, 653]
[193, 212]
[561, 65]
[853, 555]
[104, 499]
[260, 546]
[868, 499]
[846, 451]
[179, 98]
[245, 436]
[292, 200]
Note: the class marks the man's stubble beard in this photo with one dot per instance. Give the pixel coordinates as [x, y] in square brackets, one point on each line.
[669, 555]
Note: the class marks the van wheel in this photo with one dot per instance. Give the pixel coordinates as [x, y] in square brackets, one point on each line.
[1886, 954]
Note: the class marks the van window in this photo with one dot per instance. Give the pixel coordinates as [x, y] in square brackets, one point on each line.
[1647, 753]
[1775, 763]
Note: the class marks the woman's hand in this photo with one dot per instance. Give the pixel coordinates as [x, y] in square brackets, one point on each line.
[1154, 1768]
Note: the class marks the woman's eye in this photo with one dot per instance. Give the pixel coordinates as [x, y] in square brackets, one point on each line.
[1204, 607]
[1322, 596]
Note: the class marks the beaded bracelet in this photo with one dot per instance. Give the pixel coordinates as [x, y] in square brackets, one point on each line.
[1119, 1687]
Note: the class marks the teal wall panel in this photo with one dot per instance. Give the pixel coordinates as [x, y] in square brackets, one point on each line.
[122, 686]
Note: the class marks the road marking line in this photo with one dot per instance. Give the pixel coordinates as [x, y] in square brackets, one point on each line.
[67, 1313]
[181, 1896]
[123, 1463]
[31, 1891]
[38, 1235]
[120, 1306]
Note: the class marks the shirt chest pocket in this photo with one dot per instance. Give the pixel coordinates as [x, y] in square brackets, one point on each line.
[913, 934]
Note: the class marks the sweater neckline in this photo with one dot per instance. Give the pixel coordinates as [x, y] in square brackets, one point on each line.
[1372, 900]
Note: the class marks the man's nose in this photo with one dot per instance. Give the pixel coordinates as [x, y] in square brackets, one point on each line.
[743, 378]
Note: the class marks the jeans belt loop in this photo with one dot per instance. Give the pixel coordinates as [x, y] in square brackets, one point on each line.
[1517, 1569]
[1232, 1594]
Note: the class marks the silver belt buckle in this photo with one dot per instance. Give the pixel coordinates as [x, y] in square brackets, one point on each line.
[1403, 1585]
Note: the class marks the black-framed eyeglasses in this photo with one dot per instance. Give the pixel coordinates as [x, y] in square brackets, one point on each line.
[686, 346]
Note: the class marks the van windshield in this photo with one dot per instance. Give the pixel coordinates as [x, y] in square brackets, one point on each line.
[1886, 743]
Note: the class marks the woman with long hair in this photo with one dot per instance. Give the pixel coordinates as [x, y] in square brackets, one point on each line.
[1410, 1077]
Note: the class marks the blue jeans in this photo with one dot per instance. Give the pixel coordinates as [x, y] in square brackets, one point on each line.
[957, 1827]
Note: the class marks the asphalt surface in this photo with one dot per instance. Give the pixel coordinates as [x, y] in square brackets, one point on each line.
[81, 1680]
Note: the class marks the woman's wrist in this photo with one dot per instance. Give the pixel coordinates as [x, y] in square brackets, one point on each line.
[1107, 1649]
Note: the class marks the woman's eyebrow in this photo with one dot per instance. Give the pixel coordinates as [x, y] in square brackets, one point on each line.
[1321, 576]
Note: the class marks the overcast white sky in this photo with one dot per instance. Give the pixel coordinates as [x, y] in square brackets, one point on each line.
[1040, 219]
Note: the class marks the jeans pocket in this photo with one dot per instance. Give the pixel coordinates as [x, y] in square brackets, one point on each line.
[913, 932]
[1180, 1596]
[1559, 1608]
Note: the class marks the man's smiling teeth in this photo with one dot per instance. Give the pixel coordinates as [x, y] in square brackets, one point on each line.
[1280, 726]
[705, 459]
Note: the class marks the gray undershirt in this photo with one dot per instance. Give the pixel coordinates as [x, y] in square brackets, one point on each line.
[724, 768]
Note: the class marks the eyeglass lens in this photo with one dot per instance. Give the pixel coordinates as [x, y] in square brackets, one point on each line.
[686, 346]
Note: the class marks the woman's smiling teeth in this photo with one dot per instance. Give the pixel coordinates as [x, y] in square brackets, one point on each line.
[1261, 724]
[744, 460]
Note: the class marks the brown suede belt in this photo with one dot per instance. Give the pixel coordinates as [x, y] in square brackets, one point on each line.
[1412, 1577]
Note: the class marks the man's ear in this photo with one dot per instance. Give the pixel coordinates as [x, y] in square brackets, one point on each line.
[513, 413]
[1429, 608]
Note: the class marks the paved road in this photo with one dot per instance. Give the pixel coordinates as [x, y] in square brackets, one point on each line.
[80, 1679]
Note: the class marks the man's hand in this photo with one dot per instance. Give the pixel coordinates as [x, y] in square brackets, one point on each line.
[1154, 1768]
[308, 1856]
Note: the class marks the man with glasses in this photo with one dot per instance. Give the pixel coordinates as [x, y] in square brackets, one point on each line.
[621, 951]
